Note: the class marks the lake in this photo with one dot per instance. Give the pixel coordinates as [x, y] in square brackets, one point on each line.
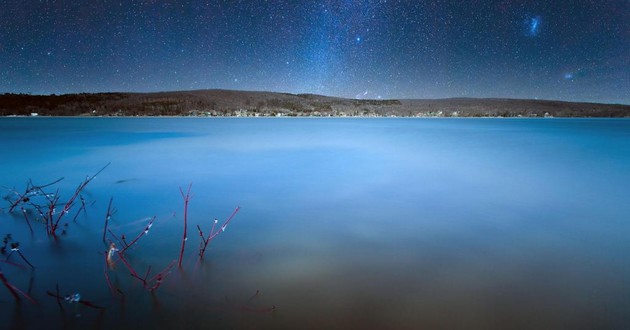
[344, 223]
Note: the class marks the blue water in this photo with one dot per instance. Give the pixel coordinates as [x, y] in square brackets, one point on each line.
[344, 223]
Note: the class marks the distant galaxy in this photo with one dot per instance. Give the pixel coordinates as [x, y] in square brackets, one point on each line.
[532, 26]
[389, 48]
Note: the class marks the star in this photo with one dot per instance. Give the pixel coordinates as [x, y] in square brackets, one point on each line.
[402, 49]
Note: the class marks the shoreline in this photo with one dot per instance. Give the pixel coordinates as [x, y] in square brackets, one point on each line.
[219, 103]
[322, 117]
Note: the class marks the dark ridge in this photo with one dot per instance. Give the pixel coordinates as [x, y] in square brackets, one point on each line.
[218, 102]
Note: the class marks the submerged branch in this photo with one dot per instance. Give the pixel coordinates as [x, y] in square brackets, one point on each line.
[14, 290]
[213, 233]
[184, 238]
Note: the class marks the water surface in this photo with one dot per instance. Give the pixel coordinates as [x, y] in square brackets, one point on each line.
[344, 223]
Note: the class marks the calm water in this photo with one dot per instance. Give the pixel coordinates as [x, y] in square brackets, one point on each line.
[344, 223]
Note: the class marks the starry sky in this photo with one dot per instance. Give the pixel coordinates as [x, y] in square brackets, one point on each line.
[573, 50]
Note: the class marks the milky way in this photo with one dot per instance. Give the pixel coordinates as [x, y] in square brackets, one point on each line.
[575, 51]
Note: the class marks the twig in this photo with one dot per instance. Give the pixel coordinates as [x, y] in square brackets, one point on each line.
[147, 274]
[159, 277]
[126, 263]
[154, 282]
[254, 296]
[202, 245]
[142, 233]
[107, 217]
[82, 208]
[29, 191]
[213, 234]
[52, 203]
[80, 301]
[10, 287]
[70, 202]
[109, 283]
[13, 250]
[246, 308]
[25, 260]
[15, 247]
[184, 238]
[58, 297]
[90, 304]
[13, 264]
[27, 221]
[14, 290]
[41, 214]
[116, 238]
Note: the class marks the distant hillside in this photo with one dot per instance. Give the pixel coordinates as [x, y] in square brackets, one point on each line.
[244, 103]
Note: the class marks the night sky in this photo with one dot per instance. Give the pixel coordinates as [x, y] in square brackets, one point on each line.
[561, 50]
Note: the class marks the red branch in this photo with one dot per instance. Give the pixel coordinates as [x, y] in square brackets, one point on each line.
[30, 191]
[70, 202]
[148, 283]
[122, 243]
[10, 287]
[52, 204]
[15, 291]
[142, 233]
[107, 263]
[154, 282]
[213, 234]
[13, 264]
[159, 277]
[133, 271]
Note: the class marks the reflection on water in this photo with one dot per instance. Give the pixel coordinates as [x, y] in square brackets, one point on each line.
[345, 223]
